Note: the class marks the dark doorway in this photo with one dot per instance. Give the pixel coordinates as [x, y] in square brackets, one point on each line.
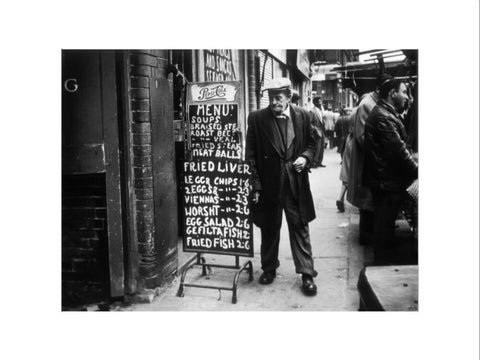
[92, 249]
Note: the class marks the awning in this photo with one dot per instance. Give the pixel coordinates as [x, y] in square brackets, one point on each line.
[361, 77]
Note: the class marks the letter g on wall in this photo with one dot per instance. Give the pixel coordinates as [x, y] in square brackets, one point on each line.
[71, 85]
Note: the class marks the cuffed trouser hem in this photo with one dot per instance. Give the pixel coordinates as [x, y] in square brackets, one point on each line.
[268, 268]
[312, 273]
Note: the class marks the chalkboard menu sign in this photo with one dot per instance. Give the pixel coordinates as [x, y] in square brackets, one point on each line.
[216, 178]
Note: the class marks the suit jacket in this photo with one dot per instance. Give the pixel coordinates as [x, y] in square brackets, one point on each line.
[271, 163]
[317, 122]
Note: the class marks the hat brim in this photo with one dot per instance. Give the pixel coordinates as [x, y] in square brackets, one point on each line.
[276, 89]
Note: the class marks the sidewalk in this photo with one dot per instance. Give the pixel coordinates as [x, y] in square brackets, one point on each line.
[338, 260]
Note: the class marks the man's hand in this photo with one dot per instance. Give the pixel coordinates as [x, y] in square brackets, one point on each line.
[256, 196]
[300, 164]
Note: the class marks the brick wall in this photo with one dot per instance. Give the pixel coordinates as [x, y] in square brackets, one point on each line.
[84, 239]
[144, 65]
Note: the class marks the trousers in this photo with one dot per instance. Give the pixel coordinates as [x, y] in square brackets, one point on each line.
[366, 226]
[386, 206]
[319, 152]
[298, 233]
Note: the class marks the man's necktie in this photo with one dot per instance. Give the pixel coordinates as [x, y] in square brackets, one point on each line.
[282, 121]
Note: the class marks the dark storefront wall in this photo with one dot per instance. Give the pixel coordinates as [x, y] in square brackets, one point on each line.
[119, 223]
[152, 183]
[164, 180]
[92, 251]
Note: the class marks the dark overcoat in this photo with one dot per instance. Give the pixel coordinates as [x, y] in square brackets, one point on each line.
[270, 163]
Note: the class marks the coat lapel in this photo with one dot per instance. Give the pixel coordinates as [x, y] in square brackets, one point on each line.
[294, 127]
[271, 132]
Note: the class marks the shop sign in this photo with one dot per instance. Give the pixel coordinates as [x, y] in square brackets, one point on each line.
[71, 85]
[219, 65]
[216, 178]
[213, 92]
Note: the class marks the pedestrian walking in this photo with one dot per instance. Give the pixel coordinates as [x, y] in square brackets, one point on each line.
[342, 130]
[280, 146]
[346, 158]
[389, 167]
[316, 114]
[329, 120]
[336, 115]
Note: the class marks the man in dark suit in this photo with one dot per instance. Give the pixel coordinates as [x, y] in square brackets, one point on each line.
[316, 115]
[280, 147]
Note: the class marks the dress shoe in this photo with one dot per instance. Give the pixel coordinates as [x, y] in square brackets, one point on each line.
[308, 286]
[340, 206]
[321, 165]
[267, 277]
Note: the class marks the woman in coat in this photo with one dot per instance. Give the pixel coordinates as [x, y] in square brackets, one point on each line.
[346, 159]
[357, 194]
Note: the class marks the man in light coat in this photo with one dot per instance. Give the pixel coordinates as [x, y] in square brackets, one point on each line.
[329, 120]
